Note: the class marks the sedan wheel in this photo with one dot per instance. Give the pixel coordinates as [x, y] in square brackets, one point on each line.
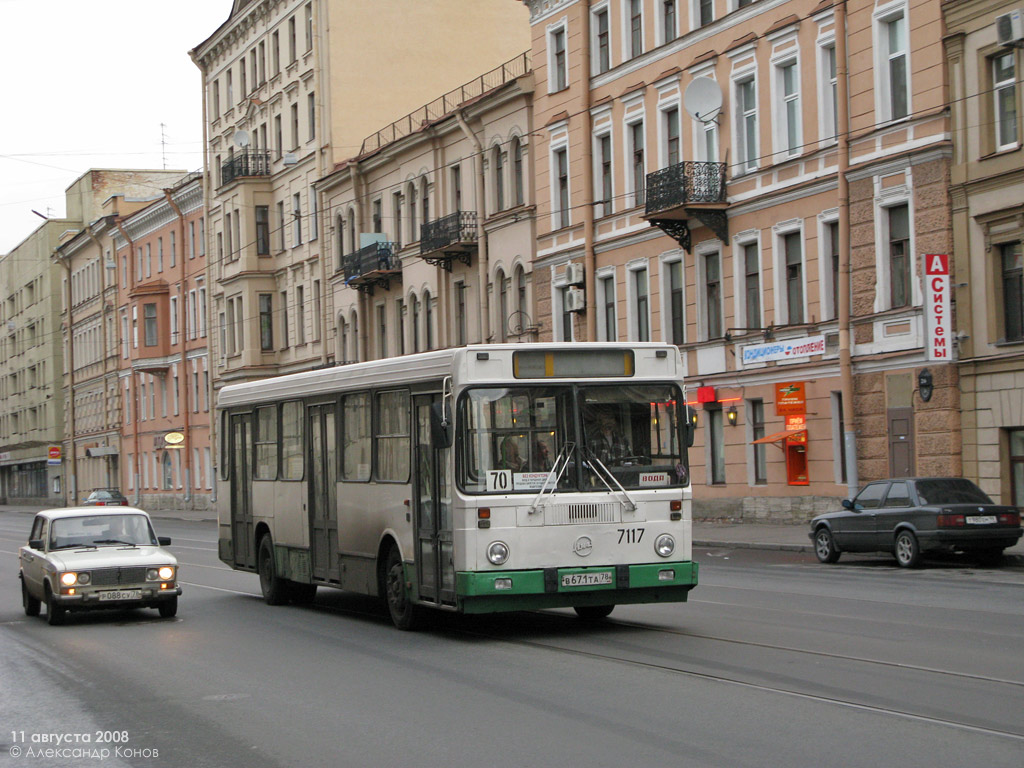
[825, 546]
[907, 550]
[30, 603]
[54, 613]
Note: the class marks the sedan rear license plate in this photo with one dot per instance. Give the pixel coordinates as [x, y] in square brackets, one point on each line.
[121, 594]
[586, 579]
[981, 519]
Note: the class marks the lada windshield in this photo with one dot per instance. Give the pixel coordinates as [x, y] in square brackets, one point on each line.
[510, 438]
[101, 531]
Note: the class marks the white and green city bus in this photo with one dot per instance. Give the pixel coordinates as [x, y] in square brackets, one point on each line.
[480, 479]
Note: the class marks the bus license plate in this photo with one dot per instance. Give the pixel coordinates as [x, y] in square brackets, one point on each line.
[586, 579]
[121, 594]
[981, 519]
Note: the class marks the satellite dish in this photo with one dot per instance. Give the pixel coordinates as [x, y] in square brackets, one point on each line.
[241, 138]
[703, 99]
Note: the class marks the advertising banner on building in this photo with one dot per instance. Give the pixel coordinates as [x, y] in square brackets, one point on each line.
[790, 399]
[790, 349]
[938, 326]
[53, 455]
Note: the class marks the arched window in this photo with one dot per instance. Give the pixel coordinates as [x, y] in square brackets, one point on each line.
[353, 331]
[520, 283]
[342, 351]
[517, 172]
[499, 180]
[339, 229]
[353, 240]
[428, 321]
[410, 195]
[502, 290]
[425, 195]
[414, 302]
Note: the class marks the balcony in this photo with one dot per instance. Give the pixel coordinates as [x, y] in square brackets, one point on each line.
[449, 238]
[248, 164]
[688, 190]
[372, 265]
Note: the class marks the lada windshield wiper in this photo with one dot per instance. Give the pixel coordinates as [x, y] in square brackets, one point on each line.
[114, 541]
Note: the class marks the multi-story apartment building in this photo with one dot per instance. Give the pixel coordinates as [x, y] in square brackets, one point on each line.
[290, 87]
[163, 369]
[32, 415]
[432, 226]
[91, 391]
[988, 226]
[729, 218]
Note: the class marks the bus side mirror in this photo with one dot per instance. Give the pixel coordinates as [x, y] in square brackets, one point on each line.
[691, 425]
[441, 427]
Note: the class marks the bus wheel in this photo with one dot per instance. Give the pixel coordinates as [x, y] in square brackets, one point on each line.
[275, 590]
[403, 613]
[593, 612]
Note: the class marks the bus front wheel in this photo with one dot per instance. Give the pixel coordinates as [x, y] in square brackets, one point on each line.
[274, 588]
[593, 612]
[404, 614]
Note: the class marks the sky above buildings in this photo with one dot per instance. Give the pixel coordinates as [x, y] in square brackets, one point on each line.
[87, 85]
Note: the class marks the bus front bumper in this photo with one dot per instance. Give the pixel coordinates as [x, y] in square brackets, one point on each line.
[493, 591]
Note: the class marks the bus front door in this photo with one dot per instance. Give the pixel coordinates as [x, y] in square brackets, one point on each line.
[435, 561]
[323, 509]
[241, 492]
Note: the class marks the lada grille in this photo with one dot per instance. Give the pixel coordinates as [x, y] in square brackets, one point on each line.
[115, 577]
[579, 514]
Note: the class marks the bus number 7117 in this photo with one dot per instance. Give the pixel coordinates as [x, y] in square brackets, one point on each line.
[630, 535]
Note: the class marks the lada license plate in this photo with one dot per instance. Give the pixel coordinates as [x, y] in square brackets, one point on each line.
[121, 594]
[586, 579]
[981, 519]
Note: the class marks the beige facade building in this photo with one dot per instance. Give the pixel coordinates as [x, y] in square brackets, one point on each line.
[32, 413]
[724, 231]
[163, 361]
[988, 225]
[89, 328]
[290, 89]
[432, 234]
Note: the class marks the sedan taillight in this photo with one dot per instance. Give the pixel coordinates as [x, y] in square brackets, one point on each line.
[952, 521]
[1009, 518]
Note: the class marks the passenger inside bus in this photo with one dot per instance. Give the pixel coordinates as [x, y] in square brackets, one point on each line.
[511, 458]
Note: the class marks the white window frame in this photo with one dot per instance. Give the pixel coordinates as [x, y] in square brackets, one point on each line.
[559, 142]
[601, 132]
[667, 259]
[600, 276]
[748, 158]
[558, 286]
[997, 88]
[829, 304]
[595, 56]
[672, 102]
[881, 17]
[740, 243]
[884, 200]
[828, 130]
[779, 232]
[781, 101]
[661, 34]
[627, 30]
[562, 25]
[699, 253]
[632, 120]
[695, 15]
[632, 327]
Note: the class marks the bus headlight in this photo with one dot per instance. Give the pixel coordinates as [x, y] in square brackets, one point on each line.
[497, 552]
[664, 545]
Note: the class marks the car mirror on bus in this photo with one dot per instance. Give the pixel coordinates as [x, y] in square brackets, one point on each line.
[691, 425]
[441, 432]
[35, 543]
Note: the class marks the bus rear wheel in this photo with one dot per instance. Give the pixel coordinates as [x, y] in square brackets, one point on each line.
[593, 612]
[274, 588]
[404, 614]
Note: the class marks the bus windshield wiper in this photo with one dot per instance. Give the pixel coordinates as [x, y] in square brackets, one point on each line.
[556, 472]
[603, 472]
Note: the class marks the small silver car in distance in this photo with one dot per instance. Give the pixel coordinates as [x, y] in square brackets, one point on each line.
[88, 558]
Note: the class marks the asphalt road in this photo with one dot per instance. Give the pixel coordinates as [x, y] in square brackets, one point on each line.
[775, 661]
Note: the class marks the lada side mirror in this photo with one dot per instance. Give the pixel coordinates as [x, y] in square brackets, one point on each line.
[35, 543]
[163, 541]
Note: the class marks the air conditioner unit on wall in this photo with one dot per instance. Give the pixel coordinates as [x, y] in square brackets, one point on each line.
[1010, 28]
[575, 300]
[574, 274]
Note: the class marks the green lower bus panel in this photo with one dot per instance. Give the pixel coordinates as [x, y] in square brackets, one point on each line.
[494, 591]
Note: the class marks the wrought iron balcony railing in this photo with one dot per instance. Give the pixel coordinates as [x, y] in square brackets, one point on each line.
[246, 164]
[686, 183]
[455, 232]
[372, 258]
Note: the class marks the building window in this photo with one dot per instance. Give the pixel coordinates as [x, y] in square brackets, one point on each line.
[1013, 292]
[499, 179]
[285, 340]
[830, 105]
[425, 200]
[520, 284]
[266, 322]
[793, 254]
[641, 316]
[517, 174]
[1004, 92]
[668, 20]
[295, 126]
[456, 188]
[705, 12]
[673, 154]
[832, 231]
[746, 97]
[609, 331]
[1017, 467]
[895, 71]
[565, 318]
[262, 215]
[400, 316]
[461, 317]
[300, 314]
[716, 444]
[605, 159]
[562, 188]
[751, 286]
[282, 225]
[712, 295]
[755, 411]
[501, 285]
[292, 56]
[636, 28]
[275, 52]
[396, 214]
[149, 324]
[789, 115]
[676, 307]
[311, 116]
[375, 218]
[899, 255]
[602, 53]
[559, 76]
[297, 216]
[428, 320]
[309, 27]
[636, 136]
[839, 437]
[382, 331]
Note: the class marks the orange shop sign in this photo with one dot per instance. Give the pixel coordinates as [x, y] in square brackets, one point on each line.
[790, 398]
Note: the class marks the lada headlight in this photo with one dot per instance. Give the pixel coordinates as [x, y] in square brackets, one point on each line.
[163, 573]
[84, 579]
[69, 579]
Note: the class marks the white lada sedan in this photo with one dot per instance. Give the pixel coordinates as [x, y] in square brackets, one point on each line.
[87, 558]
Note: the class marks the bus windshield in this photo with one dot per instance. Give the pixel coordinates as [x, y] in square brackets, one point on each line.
[510, 437]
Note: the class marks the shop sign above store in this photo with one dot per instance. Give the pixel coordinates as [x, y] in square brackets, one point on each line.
[936, 303]
[788, 349]
[790, 399]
